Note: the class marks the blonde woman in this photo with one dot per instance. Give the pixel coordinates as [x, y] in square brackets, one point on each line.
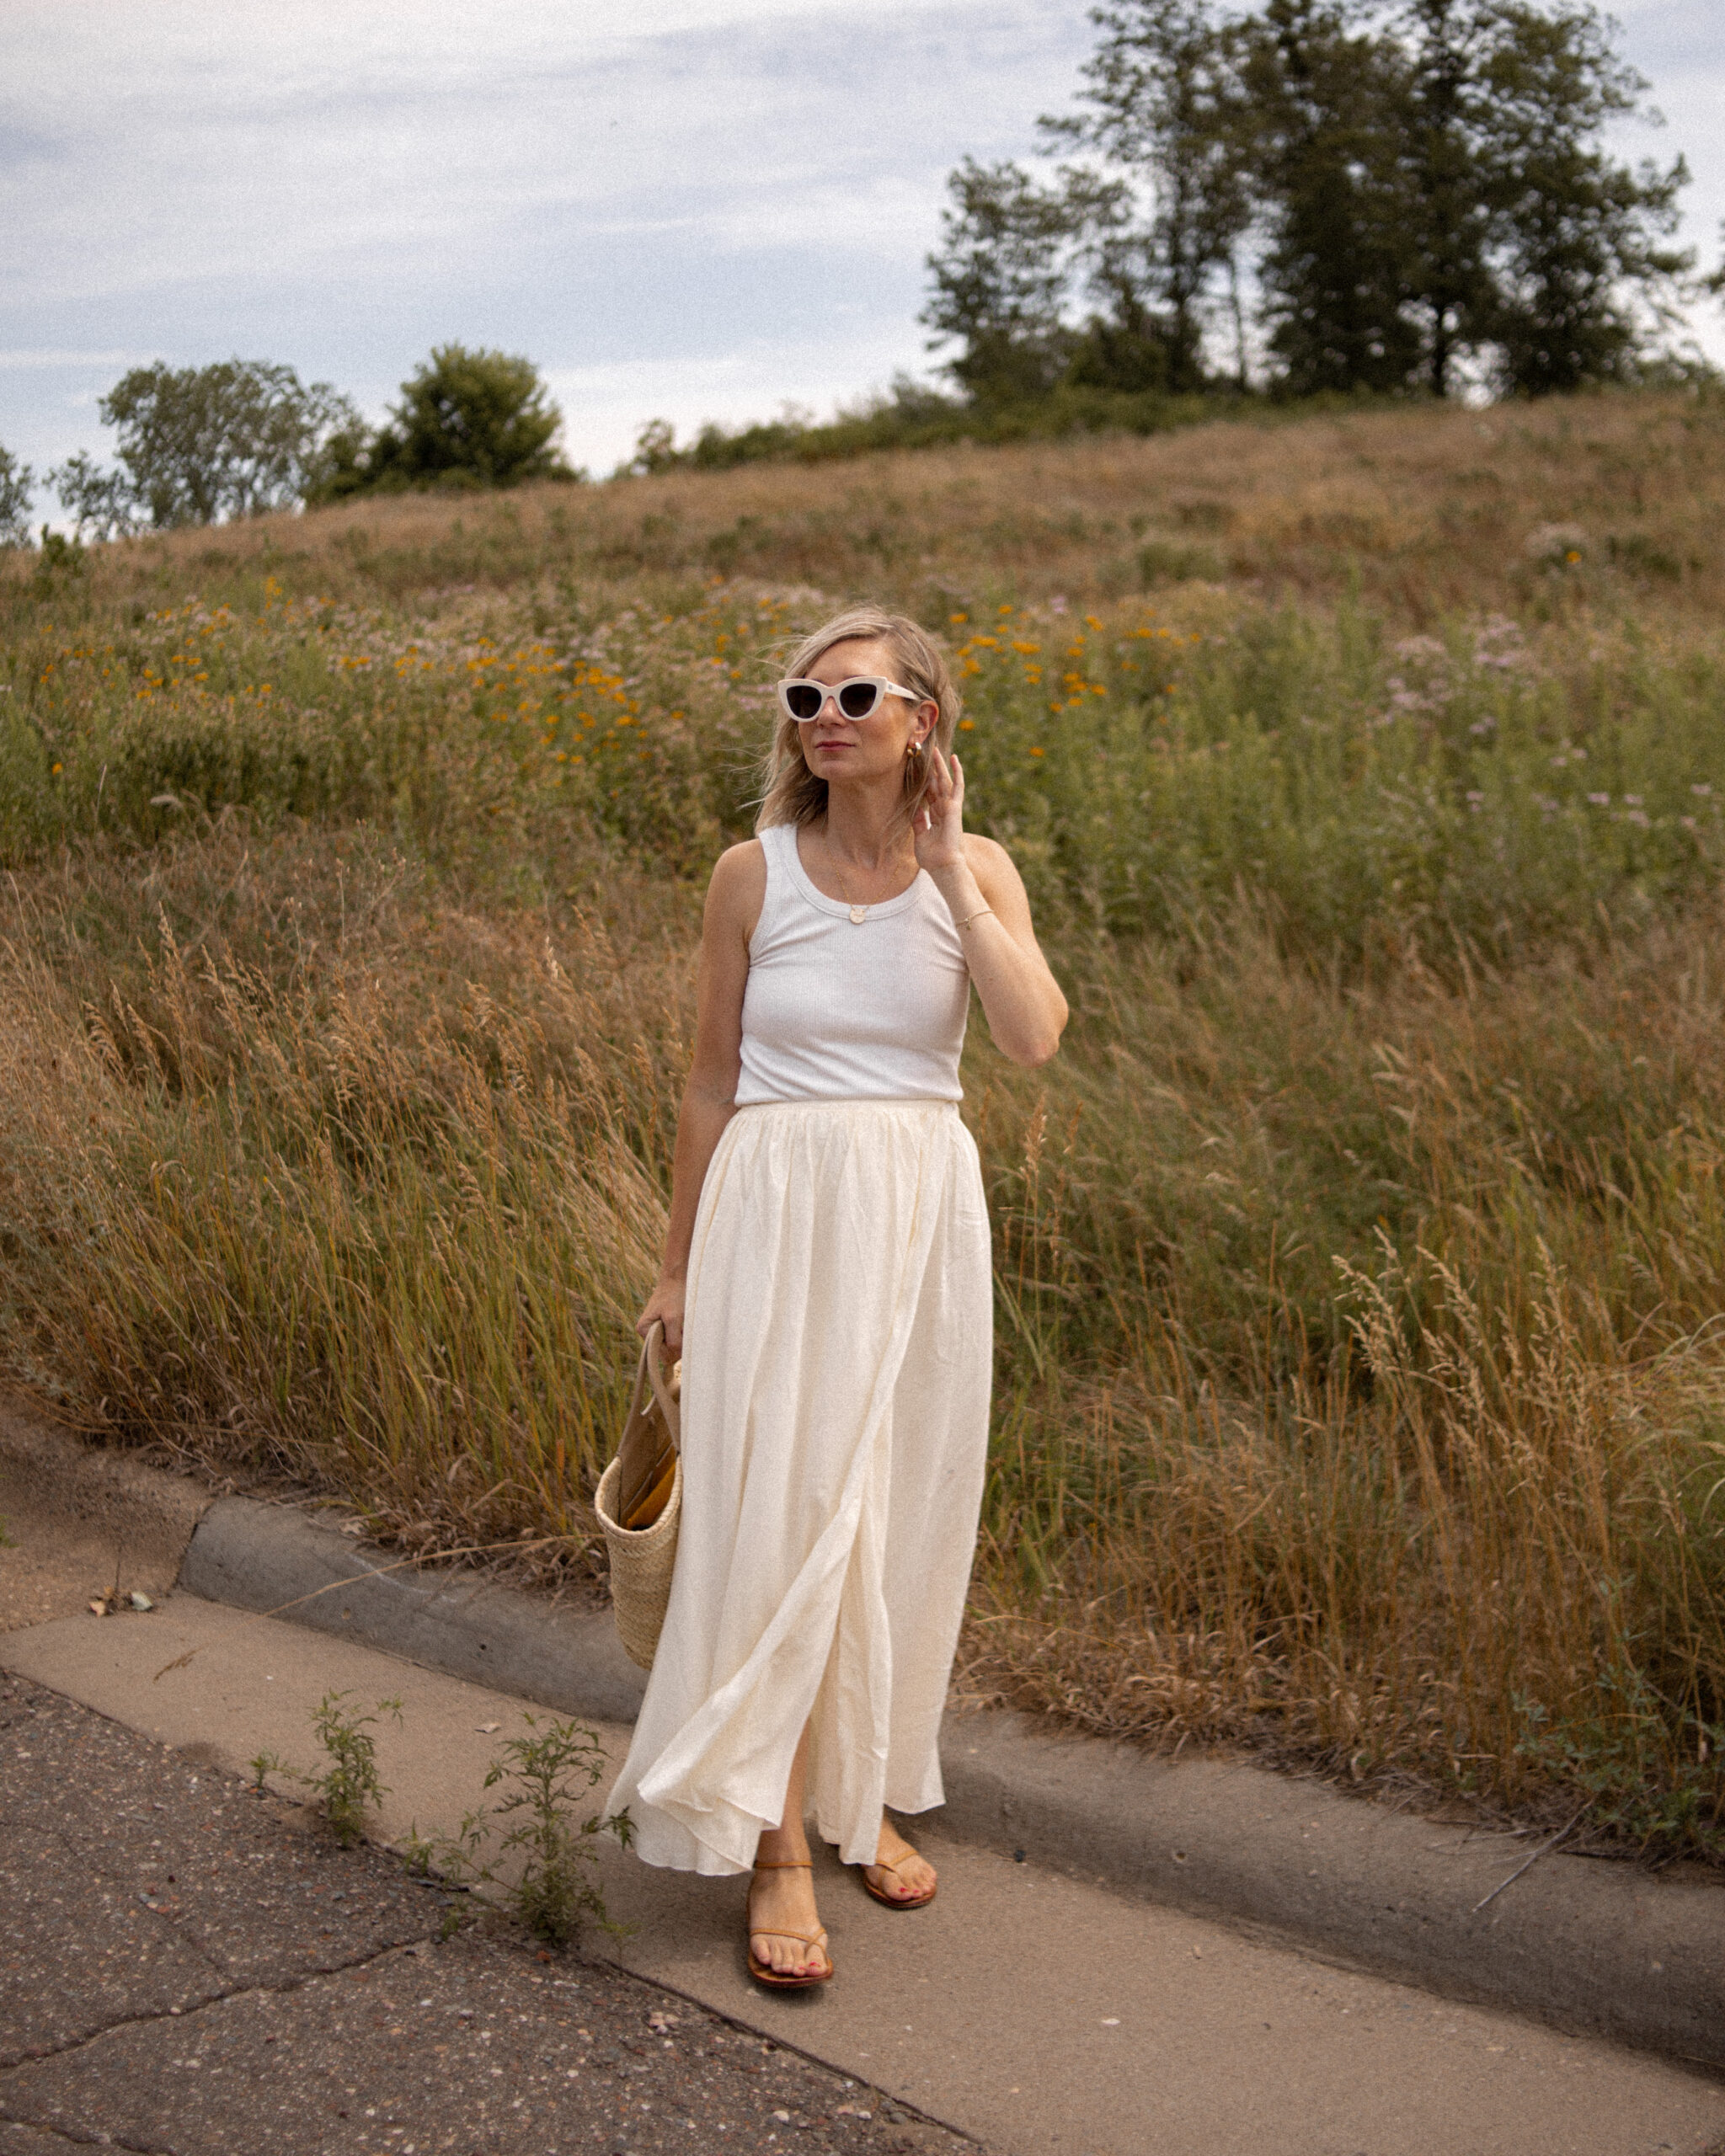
[826, 1279]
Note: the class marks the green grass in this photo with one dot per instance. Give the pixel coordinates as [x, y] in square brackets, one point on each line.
[1360, 1390]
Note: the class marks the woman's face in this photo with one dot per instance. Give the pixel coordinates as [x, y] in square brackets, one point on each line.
[835, 747]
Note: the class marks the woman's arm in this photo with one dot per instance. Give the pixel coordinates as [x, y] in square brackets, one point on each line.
[1021, 998]
[735, 897]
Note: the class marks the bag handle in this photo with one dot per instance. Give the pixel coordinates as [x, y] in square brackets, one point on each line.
[652, 1370]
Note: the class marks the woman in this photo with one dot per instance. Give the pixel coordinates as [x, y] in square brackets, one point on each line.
[827, 1280]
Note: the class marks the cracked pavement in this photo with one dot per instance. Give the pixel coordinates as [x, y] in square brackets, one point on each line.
[189, 1967]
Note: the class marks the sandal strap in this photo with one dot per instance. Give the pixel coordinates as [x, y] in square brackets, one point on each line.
[817, 1938]
[882, 1863]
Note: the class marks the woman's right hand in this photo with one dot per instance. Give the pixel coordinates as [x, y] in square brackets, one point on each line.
[666, 1304]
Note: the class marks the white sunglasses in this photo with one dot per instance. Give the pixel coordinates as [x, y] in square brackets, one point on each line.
[801, 699]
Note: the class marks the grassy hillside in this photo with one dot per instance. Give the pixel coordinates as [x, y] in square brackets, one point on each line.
[1360, 1391]
[1423, 513]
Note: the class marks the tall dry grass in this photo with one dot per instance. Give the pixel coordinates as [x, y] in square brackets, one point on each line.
[379, 1215]
[1423, 1482]
[1356, 1404]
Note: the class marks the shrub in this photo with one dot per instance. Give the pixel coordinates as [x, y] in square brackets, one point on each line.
[467, 418]
[913, 417]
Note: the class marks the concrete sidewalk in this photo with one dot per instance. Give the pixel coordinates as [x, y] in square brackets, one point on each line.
[1613, 1950]
[1044, 2015]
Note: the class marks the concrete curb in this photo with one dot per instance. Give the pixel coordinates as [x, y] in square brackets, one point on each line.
[258, 1557]
[1609, 1949]
[1604, 1949]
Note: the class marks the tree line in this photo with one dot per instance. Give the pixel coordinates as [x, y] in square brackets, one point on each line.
[1322, 195]
[201, 444]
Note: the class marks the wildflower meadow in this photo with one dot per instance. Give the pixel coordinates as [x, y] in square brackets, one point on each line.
[1361, 1392]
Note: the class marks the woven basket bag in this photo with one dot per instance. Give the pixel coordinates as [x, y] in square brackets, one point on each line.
[639, 1501]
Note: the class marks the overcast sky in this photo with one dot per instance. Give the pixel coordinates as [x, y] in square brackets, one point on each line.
[692, 209]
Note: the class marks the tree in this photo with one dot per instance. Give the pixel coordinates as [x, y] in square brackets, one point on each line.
[479, 418]
[1583, 278]
[1449, 211]
[1164, 107]
[199, 444]
[1434, 183]
[1422, 183]
[655, 448]
[101, 505]
[17, 485]
[1000, 278]
[1333, 110]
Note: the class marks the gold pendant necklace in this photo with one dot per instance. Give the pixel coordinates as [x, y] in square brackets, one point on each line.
[859, 914]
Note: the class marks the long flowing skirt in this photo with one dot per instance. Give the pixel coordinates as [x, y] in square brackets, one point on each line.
[836, 1352]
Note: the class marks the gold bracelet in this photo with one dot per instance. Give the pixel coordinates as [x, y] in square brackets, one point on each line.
[977, 915]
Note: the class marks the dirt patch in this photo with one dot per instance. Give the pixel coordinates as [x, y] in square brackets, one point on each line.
[79, 1518]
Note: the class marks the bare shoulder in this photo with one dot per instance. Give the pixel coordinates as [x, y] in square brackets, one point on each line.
[990, 864]
[739, 867]
[738, 888]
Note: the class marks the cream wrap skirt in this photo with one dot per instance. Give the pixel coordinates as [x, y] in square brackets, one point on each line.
[836, 1352]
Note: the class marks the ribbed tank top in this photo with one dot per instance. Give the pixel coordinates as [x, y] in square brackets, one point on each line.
[836, 1009]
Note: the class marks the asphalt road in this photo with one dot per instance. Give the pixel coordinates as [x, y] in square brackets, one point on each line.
[188, 1967]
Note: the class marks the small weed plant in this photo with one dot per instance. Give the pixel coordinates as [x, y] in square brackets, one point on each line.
[349, 1786]
[263, 1765]
[531, 1842]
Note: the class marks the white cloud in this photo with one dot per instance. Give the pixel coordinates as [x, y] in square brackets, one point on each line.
[605, 406]
[314, 133]
[62, 360]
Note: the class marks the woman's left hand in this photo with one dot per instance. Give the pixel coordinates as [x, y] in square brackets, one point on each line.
[938, 832]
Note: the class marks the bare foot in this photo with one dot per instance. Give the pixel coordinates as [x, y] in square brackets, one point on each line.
[785, 1898]
[899, 1872]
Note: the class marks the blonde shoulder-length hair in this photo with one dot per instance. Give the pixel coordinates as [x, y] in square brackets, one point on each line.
[791, 793]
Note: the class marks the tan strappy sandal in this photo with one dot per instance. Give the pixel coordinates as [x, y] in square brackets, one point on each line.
[781, 1979]
[896, 1901]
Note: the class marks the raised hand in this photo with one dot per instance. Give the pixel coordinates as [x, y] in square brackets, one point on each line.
[938, 832]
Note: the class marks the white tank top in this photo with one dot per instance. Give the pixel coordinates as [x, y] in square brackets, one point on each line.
[839, 1008]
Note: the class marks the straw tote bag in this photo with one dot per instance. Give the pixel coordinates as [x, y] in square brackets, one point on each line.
[639, 1501]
